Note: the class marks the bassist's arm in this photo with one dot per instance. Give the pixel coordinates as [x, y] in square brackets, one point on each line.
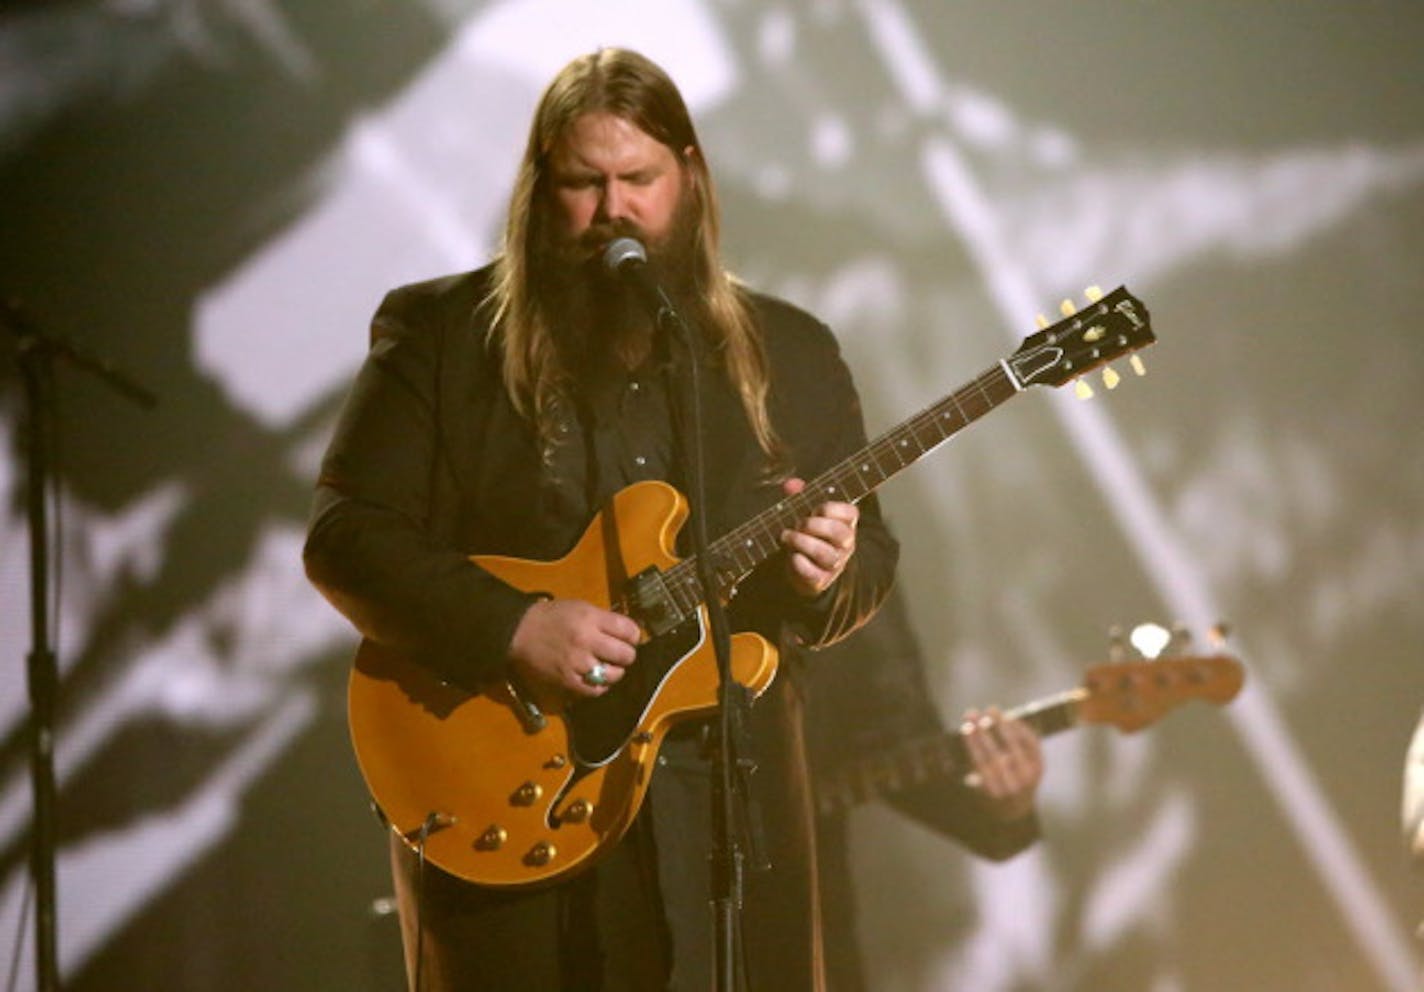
[870, 695]
[950, 807]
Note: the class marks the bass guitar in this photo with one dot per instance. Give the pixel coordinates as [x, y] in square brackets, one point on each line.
[1129, 695]
[509, 788]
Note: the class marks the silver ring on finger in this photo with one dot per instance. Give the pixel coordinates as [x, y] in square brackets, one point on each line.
[597, 675]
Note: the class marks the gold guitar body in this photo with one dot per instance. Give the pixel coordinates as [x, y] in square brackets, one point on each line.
[512, 790]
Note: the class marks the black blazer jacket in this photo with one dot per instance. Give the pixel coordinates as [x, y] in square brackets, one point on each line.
[430, 464]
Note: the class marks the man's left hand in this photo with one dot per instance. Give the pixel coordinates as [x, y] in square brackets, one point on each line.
[1008, 762]
[818, 550]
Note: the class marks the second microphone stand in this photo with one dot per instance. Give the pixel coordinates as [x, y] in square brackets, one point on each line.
[37, 354]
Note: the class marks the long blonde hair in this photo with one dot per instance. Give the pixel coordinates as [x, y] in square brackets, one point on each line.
[632, 87]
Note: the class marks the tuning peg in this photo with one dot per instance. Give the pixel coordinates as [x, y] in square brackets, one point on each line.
[1180, 640]
[1136, 362]
[1082, 390]
[1117, 643]
[1093, 293]
[1067, 308]
[1042, 321]
[1110, 377]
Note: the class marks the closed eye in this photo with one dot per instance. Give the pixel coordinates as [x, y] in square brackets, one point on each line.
[586, 180]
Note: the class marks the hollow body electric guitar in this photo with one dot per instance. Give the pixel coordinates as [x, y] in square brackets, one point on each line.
[1129, 695]
[510, 788]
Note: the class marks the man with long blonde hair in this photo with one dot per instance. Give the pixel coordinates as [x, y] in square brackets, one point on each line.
[497, 413]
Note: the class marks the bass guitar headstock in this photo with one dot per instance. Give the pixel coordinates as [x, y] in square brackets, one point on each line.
[1134, 693]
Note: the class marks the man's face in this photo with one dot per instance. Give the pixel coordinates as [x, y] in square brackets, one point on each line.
[610, 178]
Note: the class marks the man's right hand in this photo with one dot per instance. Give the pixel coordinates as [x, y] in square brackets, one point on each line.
[559, 642]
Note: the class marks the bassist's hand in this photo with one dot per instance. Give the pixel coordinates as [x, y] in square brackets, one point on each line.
[559, 642]
[1008, 762]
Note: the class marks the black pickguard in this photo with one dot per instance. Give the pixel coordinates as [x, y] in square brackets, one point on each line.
[600, 727]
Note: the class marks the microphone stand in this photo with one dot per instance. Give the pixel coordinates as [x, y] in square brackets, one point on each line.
[730, 760]
[37, 352]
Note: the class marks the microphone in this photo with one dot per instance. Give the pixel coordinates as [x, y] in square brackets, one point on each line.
[627, 259]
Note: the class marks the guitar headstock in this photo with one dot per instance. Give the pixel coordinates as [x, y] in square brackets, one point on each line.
[1131, 695]
[1107, 328]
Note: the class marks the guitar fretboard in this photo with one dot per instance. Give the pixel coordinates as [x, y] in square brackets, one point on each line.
[745, 547]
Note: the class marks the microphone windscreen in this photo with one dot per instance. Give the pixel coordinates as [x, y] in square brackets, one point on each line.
[621, 251]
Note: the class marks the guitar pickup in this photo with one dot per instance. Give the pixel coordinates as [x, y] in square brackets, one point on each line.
[650, 602]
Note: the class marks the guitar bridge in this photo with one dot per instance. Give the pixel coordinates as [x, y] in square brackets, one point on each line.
[650, 602]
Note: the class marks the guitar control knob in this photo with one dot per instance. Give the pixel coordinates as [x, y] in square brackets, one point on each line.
[527, 794]
[492, 839]
[540, 854]
[579, 810]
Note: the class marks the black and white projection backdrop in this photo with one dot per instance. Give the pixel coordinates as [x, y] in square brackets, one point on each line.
[214, 194]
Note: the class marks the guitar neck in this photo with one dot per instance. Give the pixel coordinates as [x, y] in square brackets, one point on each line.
[939, 756]
[1052, 714]
[1115, 325]
[742, 549]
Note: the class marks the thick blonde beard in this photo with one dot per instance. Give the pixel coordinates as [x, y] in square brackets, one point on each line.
[593, 315]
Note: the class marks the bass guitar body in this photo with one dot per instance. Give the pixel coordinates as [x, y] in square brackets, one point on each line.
[504, 788]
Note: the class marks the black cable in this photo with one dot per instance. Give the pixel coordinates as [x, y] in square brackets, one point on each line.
[431, 819]
[56, 513]
[24, 918]
[56, 463]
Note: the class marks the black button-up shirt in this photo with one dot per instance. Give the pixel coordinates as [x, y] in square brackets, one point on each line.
[618, 432]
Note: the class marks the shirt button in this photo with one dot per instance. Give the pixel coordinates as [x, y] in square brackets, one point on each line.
[635, 385]
[639, 461]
